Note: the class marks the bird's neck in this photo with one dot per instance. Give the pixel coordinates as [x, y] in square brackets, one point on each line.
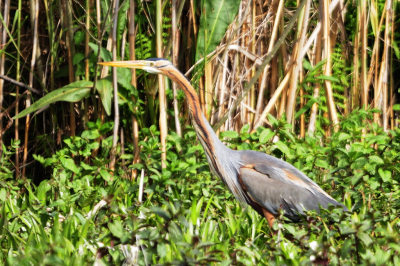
[224, 162]
[204, 131]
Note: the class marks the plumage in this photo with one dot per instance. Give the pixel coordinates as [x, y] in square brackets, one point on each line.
[264, 182]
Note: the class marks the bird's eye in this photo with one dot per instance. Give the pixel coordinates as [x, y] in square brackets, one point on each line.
[152, 64]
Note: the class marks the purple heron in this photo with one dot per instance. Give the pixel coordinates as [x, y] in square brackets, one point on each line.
[262, 181]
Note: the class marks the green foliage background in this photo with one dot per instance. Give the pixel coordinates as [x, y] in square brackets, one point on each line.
[71, 209]
[189, 218]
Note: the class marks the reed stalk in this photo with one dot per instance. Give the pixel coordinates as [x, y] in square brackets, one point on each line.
[132, 56]
[18, 69]
[115, 87]
[175, 51]
[161, 86]
[2, 63]
[35, 19]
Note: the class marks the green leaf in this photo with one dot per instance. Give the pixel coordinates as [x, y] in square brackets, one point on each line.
[105, 88]
[306, 107]
[245, 129]
[73, 92]
[124, 76]
[374, 183]
[266, 135]
[343, 136]
[307, 64]
[104, 53]
[386, 175]
[365, 238]
[160, 212]
[230, 134]
[105, 175]
[161, 250]
[285, 149]
[78, 58]
[396, 107]
[273, 120]
[79, 37]
[396, 49]
[3, 194]
[175, 232]
[215, 18]
[330, 78]
[91, 134]
[116, 228]
[322, 163]
[69, 164]
[375, 159]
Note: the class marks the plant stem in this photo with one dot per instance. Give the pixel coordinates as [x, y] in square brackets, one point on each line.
[115, 86]
[161, 86]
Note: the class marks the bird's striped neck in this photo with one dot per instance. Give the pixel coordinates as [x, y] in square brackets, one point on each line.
[203, 128]
[224, 162]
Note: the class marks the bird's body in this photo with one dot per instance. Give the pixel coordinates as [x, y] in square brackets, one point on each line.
[262, 181]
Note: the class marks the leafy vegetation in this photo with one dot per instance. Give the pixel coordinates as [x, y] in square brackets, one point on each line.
[73, 160]
[188, 217]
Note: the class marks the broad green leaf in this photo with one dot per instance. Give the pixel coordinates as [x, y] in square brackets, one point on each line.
[365, 238]
[307, 64]
[3, 194]
[396, 107]
[214, 20]
[104, 53]
[266, 135]
[343, 136]
[175, 232]
[161, 250]
[124, 76]
[160, 212]
[79, 37]
[322, 163]
[78, 58]
[285, 149]
[105, 175]
[42, 190]
[91, 134]
[105, 88]
[273, 120]
[374, 183]
[73, 92]
[230, 134]
[245, 129]
[375, 159]
[116, 228]
[346, 230]
[386, 175]
[69, 164]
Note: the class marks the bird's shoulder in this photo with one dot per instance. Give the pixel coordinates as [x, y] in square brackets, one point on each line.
[277, 169]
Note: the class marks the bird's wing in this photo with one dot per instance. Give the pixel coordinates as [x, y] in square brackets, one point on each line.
[274, 184]
[273, 194]
[280, 170]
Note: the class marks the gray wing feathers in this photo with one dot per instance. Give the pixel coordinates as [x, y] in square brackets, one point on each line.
[273, 194]
[264, 162]
[278, 174]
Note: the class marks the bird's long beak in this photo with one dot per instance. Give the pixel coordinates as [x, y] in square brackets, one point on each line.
[138, 64]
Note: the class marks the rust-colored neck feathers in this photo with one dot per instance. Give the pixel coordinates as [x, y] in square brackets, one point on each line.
[203, 128]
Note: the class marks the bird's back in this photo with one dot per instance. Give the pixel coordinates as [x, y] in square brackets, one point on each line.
[275, 184]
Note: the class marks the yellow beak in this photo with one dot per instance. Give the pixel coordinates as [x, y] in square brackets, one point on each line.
[138, 64]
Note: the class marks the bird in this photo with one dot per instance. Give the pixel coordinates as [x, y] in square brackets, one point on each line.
[264, 182]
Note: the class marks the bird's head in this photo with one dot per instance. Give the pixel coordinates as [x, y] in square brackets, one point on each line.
[151, 65]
